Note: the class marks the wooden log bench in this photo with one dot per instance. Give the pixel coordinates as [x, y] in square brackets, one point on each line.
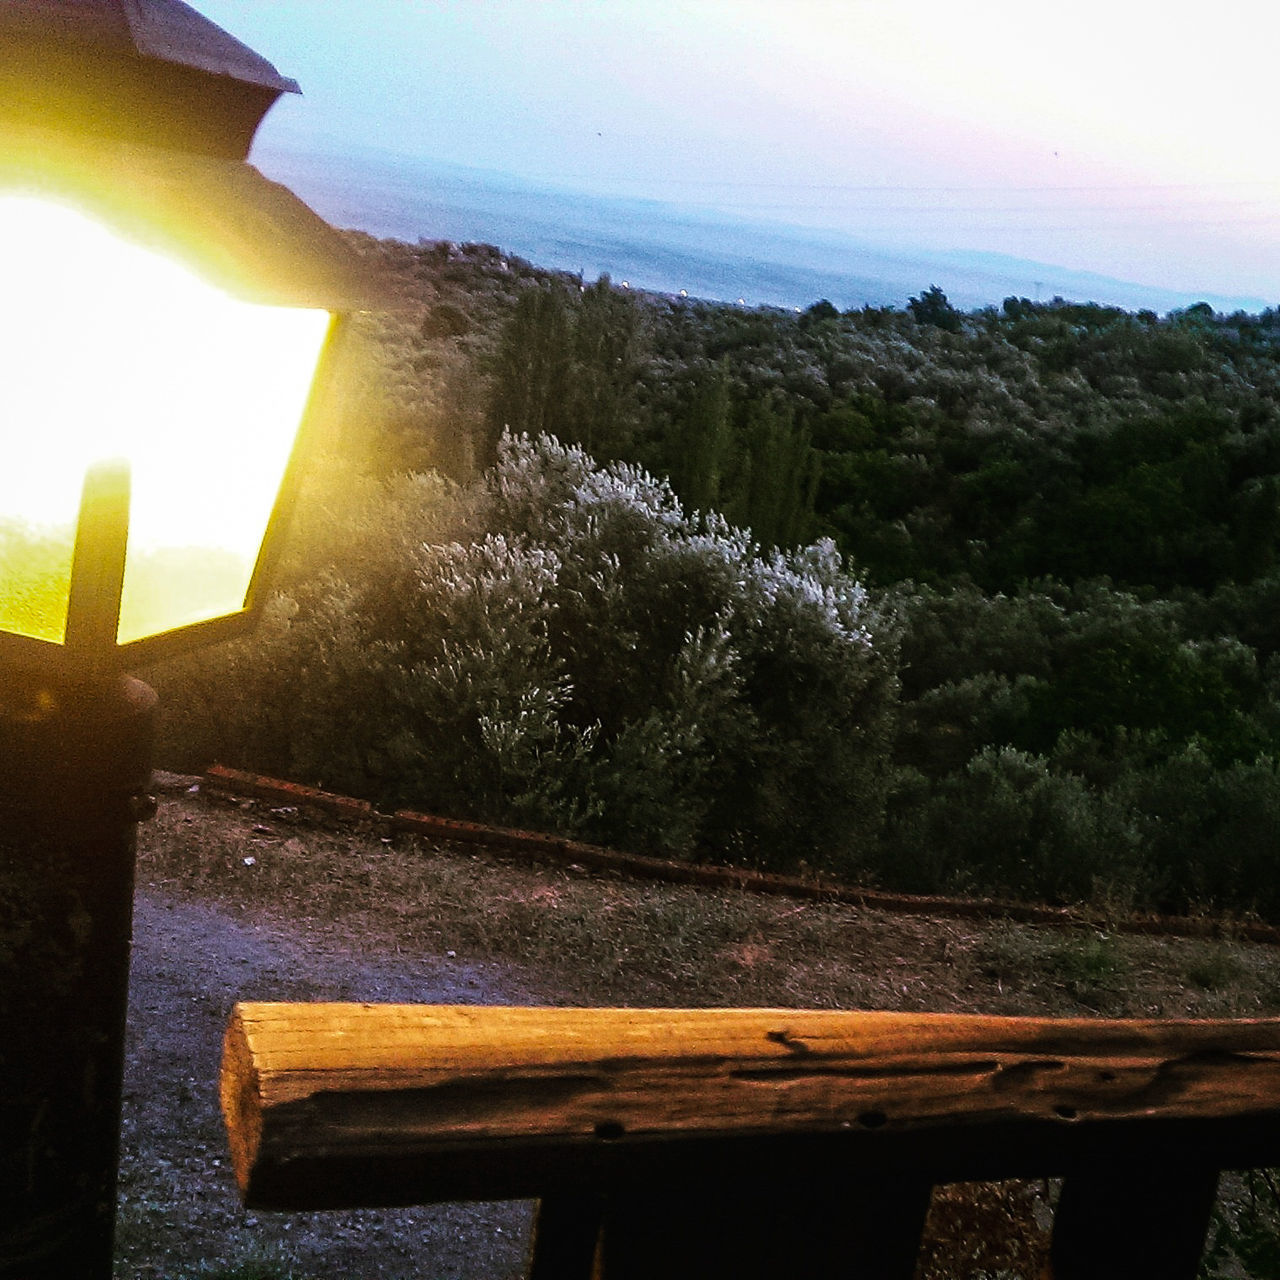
[664, 1144]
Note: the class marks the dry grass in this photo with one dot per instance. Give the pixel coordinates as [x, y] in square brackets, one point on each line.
[606, 940]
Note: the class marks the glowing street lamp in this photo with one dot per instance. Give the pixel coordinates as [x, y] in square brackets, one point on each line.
[150, 417]
[164, 310]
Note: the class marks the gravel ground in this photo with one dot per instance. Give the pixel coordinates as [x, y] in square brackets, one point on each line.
[191, 962]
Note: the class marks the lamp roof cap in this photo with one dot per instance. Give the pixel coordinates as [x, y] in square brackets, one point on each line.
[160, 30]
[142, 113]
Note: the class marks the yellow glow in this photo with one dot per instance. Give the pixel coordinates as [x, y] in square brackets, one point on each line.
[110, 350]
[35, 578]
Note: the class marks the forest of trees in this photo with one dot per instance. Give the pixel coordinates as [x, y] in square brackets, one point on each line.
[1066, 518]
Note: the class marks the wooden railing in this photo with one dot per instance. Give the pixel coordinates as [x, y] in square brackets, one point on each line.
[673, 1144]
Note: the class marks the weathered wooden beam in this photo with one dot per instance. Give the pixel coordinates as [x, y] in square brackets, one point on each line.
[333, 1105]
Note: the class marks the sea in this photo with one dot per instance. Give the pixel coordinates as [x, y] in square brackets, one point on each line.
[666, 248]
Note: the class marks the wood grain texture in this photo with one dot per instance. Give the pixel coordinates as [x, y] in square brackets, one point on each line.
[333, 1104]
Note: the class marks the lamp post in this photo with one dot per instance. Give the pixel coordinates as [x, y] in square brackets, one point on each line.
[163, 314]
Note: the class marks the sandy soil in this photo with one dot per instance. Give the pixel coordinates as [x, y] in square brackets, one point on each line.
[191, 962]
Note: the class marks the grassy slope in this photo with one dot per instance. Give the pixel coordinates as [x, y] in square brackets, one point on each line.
[608, 940]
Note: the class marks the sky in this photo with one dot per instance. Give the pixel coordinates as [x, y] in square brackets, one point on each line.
[1130, 138]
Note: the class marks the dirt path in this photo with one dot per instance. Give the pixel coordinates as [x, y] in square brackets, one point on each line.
[191, 962]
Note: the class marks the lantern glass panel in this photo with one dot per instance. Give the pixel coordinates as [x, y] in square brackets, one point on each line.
[112, 351]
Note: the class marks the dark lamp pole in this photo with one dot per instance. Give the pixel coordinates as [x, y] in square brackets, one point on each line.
[166, 311]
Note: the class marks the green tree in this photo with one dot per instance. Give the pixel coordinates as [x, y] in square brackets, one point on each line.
[532, 367]
[932, 307]
[775, 474]
[607, 345]
[701, 442]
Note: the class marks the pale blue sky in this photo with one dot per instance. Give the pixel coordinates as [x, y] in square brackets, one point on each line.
[1135, 139]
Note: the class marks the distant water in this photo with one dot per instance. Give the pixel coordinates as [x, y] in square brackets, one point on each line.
[658, 246]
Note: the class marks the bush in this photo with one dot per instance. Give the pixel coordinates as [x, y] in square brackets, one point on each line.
[1212, 833]
[1009, 824]
[560, 645]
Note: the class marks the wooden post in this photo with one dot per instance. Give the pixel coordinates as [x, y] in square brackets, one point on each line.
[1133, 1220]
[566, 1238]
